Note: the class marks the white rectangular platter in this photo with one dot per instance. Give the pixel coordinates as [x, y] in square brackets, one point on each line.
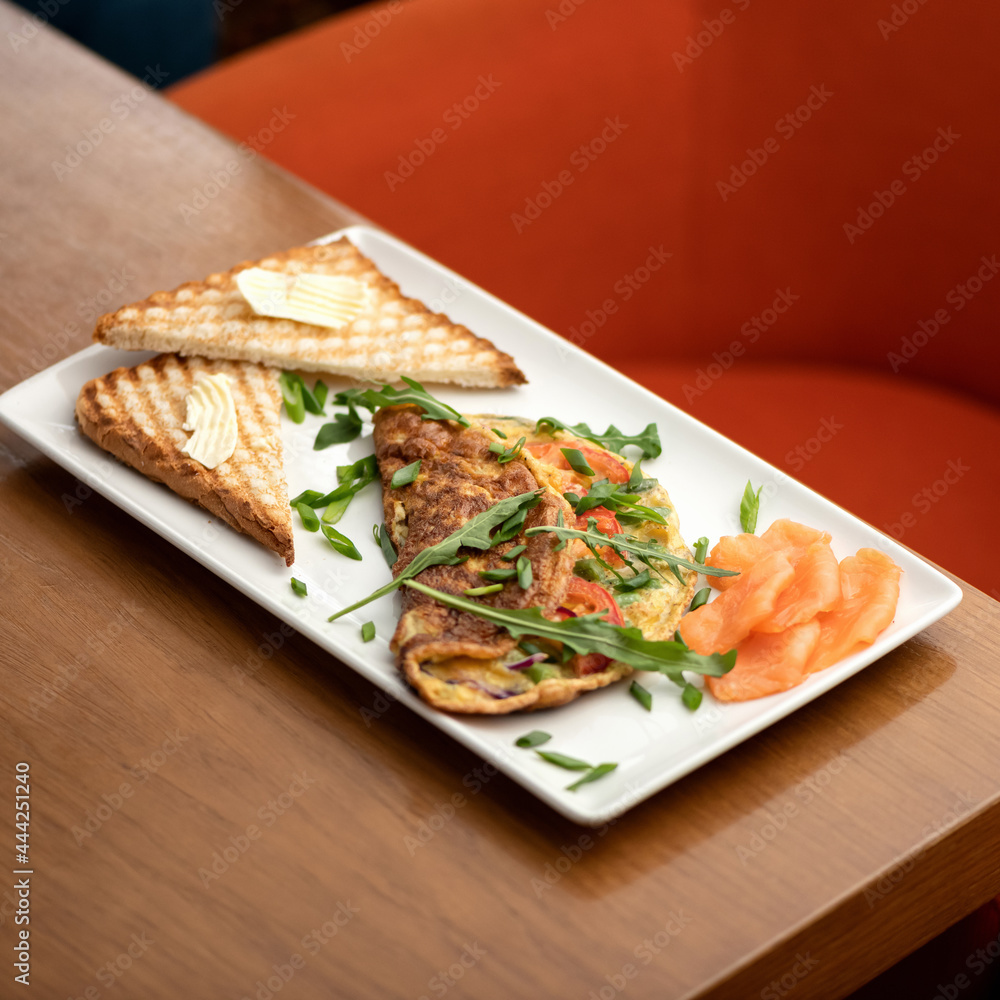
[704, 472]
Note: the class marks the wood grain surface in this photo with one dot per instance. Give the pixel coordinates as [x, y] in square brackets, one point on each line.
[220, 810]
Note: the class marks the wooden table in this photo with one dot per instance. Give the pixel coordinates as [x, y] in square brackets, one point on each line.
[161, 712]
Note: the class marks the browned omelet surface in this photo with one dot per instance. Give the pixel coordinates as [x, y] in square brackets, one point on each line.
[455, 660]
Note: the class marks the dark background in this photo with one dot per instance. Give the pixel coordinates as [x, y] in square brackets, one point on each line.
[187, 35]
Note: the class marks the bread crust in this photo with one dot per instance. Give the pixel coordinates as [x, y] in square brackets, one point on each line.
[137, 414]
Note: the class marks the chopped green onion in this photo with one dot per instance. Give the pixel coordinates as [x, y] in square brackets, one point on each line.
[700, 549]
[561, 760]
[406, 475]
[577, 462]
[587, 569]
[533, 739]
[383, 541]
[539, 672]
[291, 390]
[524, 574]
[691, 696]
[368, 631]
[309, 519]
[340, 542]
[511, 554]
[700, 598]
[749, 508]
[637, 582]
[499, 433]
[415, 393]
[592, 775]
[641, 695]
[505, 455]
[299, 587]
[493, 588]
[308, 497]
[498, 574]
[319, 392]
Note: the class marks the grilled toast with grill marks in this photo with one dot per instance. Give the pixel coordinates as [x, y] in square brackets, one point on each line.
[138, 413]
[394, 335]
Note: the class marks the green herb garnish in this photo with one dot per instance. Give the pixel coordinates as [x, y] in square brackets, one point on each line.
[493, 588]
[475, 533]
[638, 483]
[622, 544]
[353, 479]
[691, 697]
[291, 391]
[533, 739]
[512, 526]
[648, 441]
[700, 598]
[588, 569]
[641, 695]
[340, 542]
[319, 394]
[577, 462]
[343, 428]
[749, 508]
[561, 760]
[498, 574]
[383, 541]
[592, 775]
[539, 672]
[308, 497]
[524, 573]
[593, 634]
[299, 587]
[415, 393]
[368, 631]
[511, 554]
[309, 519]
[505, 455]
[637, 582]
[700, 549]
[499, 433]
[611, 496]
[406, 475]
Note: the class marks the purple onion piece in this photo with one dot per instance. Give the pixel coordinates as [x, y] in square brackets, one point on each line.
[527, 662]
[567, 611]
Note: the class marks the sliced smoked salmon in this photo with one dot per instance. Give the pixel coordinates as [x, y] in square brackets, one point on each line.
[718, 626]
[816, 588]
[767, 663]
[738, 552]
[869, 584]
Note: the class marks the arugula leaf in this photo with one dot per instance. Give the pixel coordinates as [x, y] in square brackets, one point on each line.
[749, 508]
[593, 634]
[368, 631]
[505, 455]
[309, 519]
[406, 475]
[415, 393]
[592, 775]
[340, 542]
[622, 543]
[561, 760]
[299, 587]
[291, 390]
[383, 541]
[641, 695]
[343, 428]
[700, 598]
[475, 533]
[524, 573]
[637, 482]
[533, 739]
[700, 549]
[606, 494]
[577, 462]
[648, 440]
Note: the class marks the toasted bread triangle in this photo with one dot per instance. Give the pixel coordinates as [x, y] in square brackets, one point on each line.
[394, 336]
[138, 413]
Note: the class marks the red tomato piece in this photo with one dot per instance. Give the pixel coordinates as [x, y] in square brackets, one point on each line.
[585, 598]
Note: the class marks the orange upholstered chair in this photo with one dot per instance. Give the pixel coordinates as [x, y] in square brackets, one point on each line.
[781, 217]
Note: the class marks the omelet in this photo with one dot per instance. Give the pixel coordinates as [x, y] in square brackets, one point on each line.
[460, 662]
